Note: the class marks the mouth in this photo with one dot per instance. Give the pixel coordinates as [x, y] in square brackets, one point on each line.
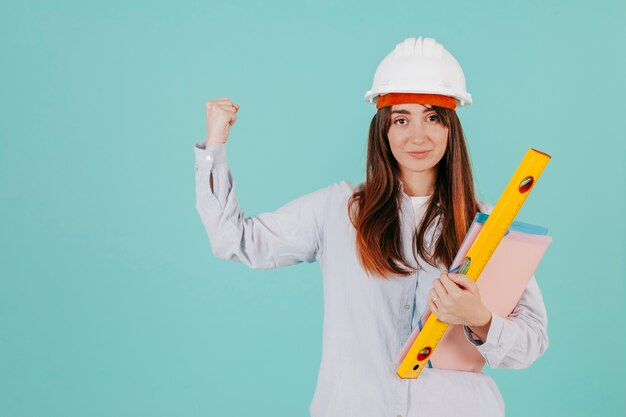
[418, 154]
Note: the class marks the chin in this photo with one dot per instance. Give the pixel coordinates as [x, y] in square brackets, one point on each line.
[420, 167]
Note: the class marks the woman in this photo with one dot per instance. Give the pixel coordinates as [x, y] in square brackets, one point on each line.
[384, 247]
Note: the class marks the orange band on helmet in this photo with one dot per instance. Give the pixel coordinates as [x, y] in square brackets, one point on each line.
[418, 98]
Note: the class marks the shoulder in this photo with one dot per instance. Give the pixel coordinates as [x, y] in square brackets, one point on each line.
[347, 187]
[340, 190]
[336, 193]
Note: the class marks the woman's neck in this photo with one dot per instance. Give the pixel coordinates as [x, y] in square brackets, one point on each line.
[417, 184]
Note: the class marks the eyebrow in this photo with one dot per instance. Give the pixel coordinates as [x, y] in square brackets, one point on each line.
[403, 111]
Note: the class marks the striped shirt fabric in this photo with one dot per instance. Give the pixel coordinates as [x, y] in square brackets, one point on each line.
[366, 319]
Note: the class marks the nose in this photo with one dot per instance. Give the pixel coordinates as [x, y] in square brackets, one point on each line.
[418, 133]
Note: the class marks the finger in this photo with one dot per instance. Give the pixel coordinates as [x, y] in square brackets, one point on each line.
[449, 285]
[217, 108]
[438, 286]
[230, 118]
[229, 114]
[228, 103]
[217, 102]
[227, 107]
[221, 102]
[432, 294]
[462, 280]
[433, 308]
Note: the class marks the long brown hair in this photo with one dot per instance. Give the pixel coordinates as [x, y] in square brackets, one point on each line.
[374, 207]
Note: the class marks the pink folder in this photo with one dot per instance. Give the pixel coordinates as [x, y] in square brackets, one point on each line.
[501, 285]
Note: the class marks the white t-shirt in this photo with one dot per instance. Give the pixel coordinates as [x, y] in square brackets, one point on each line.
[420, 203]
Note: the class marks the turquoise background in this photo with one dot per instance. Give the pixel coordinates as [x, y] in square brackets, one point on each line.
[111, 302]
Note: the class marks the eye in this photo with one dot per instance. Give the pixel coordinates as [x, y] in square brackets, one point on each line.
[433, 117]
[397, 120]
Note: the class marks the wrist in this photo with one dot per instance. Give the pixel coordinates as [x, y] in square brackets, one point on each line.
[213, 143]
[482, 326]
[482, 320]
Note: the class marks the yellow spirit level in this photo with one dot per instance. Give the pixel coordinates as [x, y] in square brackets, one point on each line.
[480, 252]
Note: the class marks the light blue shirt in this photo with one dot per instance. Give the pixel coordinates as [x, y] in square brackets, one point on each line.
[366, 319]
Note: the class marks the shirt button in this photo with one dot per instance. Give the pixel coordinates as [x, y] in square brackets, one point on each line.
[209, 157]
[406, 306]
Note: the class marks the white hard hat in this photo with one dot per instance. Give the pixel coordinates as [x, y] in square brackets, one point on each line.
[420, 65]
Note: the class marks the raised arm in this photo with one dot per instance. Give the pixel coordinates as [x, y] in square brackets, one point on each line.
[287, 236]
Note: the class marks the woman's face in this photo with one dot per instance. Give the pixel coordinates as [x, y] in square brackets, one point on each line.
[418, 140]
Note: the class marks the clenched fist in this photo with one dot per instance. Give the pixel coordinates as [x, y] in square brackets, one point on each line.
[221, 114]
